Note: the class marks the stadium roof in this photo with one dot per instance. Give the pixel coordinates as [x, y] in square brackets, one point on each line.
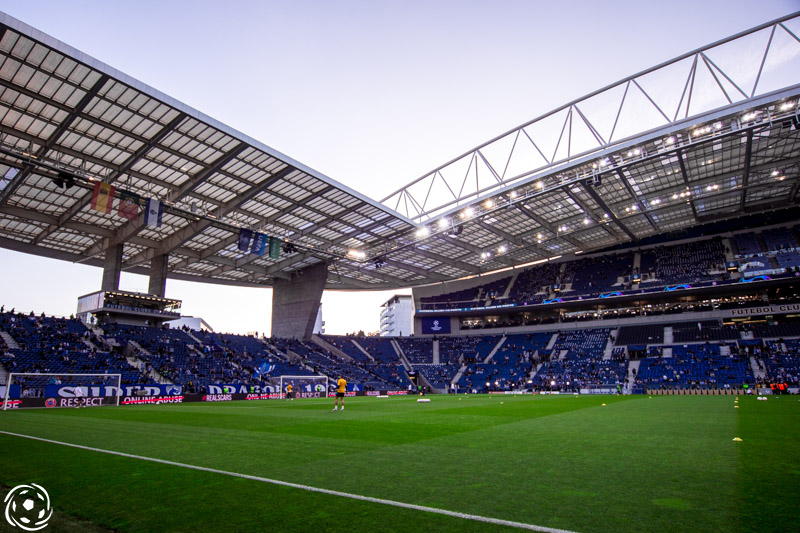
[707, 136]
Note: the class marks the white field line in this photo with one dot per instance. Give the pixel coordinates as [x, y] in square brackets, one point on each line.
[464, 516]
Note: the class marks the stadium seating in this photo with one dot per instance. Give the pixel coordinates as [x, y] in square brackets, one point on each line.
[418, 351]
[695, 366]
[779, 239]
[782, 362]
[58, 345]
[704, 330]
[533, 284]
[640, 335]
[691, 262]
[596, 275]
[706, 357]
[747, 244]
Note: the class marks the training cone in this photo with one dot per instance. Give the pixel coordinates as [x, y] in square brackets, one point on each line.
[737, 439]
[604, 405]
[735, 406]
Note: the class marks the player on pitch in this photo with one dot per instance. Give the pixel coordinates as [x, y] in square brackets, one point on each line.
[341, 388]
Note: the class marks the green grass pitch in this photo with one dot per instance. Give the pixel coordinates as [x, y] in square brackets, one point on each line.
[660, 464]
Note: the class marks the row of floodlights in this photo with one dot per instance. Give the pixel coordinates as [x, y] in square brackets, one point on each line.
[697, 132]
[469, 212]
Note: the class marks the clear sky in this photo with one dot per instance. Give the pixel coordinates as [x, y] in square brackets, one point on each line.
[373, 94]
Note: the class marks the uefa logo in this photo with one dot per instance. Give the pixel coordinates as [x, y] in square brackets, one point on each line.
[28, 507]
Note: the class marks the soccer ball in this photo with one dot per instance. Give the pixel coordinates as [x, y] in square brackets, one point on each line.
[30, 512]
[28, 507]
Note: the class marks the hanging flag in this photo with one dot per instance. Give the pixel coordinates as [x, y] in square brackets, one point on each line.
[103, 197]
[274, 247]
[264, 369]
[244, 239]
[128, 205]
[154, 212]
[259, 244]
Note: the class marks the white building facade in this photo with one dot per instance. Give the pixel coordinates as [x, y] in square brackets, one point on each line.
[397, 316]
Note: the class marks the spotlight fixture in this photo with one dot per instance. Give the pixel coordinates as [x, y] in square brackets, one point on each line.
[64, 180]
[456, 231]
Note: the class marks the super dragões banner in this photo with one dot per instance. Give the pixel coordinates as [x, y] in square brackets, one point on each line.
[100, 391]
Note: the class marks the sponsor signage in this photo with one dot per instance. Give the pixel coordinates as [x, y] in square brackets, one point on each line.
[98, 401]
[138, 400]
[765, 310]
[218, 397]
[460, 309]
[58, 402]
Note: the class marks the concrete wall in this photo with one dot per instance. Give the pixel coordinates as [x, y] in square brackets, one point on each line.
[112, 266]
[295, 302]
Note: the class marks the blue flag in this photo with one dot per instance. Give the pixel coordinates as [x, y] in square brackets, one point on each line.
[259, 244]
[264, 369]
[244, 239]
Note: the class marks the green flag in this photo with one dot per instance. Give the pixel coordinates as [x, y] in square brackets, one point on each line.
[274, 247]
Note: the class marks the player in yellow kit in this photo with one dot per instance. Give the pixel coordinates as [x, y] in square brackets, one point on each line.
[341, 388]
[289, 392]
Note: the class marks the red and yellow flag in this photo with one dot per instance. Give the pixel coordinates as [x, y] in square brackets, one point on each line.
[103, 197]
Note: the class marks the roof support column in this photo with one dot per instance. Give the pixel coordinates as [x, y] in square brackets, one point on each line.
[112, 266]
[295, 302]
[158, 275]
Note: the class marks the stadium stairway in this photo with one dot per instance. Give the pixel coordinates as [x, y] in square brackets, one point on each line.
[668, 335]
[198, 341]
[633, 369]
[758, 372]
[435, 350]
[609, 346]
[3, 374]
[494, 350]
[361, 348]
[402, 356]
[730, 245]
[325, 345]
[511, 283]
[535, 370]
[458, 375]
[138, 347]
[91, 345]
[552, 342]
[10, 342]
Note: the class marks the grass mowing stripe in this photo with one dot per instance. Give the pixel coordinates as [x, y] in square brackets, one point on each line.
[464, 516]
